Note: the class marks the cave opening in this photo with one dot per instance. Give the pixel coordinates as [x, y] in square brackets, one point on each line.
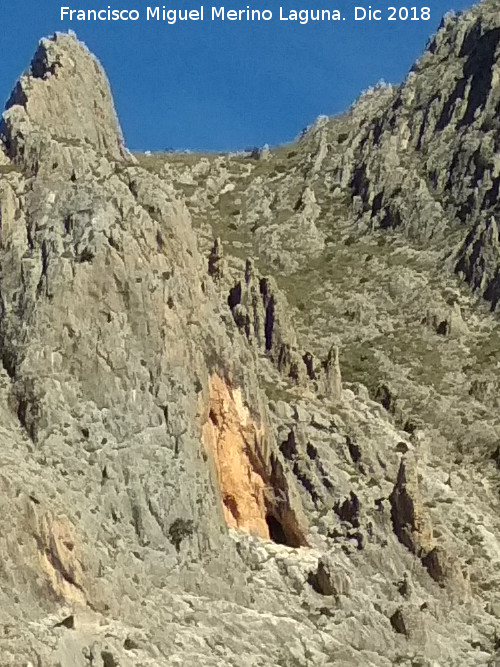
[276, 531]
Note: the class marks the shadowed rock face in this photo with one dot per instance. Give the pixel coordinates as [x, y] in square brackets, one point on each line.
[248, 412]
[427, 165]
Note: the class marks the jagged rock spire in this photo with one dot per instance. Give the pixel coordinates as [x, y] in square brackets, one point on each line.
[333, 378]
[65, 97]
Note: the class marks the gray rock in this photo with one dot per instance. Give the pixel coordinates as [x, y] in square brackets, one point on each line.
[191, 473]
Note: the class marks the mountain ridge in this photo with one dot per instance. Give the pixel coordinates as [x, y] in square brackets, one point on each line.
[249, 409]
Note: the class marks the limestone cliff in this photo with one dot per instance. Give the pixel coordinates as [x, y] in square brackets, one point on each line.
[248, 403]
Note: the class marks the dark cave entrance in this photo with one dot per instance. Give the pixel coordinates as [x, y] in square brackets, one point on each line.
[276, 530]
[280, 533]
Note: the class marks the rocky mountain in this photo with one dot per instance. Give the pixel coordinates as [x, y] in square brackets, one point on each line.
[249, 402]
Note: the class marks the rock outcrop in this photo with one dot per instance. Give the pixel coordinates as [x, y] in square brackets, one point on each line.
[427, 164]
[411, 526]
[65, 98]
[248, 408]
[254, 490]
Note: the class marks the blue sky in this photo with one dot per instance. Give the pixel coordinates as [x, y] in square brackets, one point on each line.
[224, 86]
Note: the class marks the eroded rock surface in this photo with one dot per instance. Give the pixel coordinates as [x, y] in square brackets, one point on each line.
[248, 407]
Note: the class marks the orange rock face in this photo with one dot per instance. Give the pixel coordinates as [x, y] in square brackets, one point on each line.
[58, 558]
[230, 436]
